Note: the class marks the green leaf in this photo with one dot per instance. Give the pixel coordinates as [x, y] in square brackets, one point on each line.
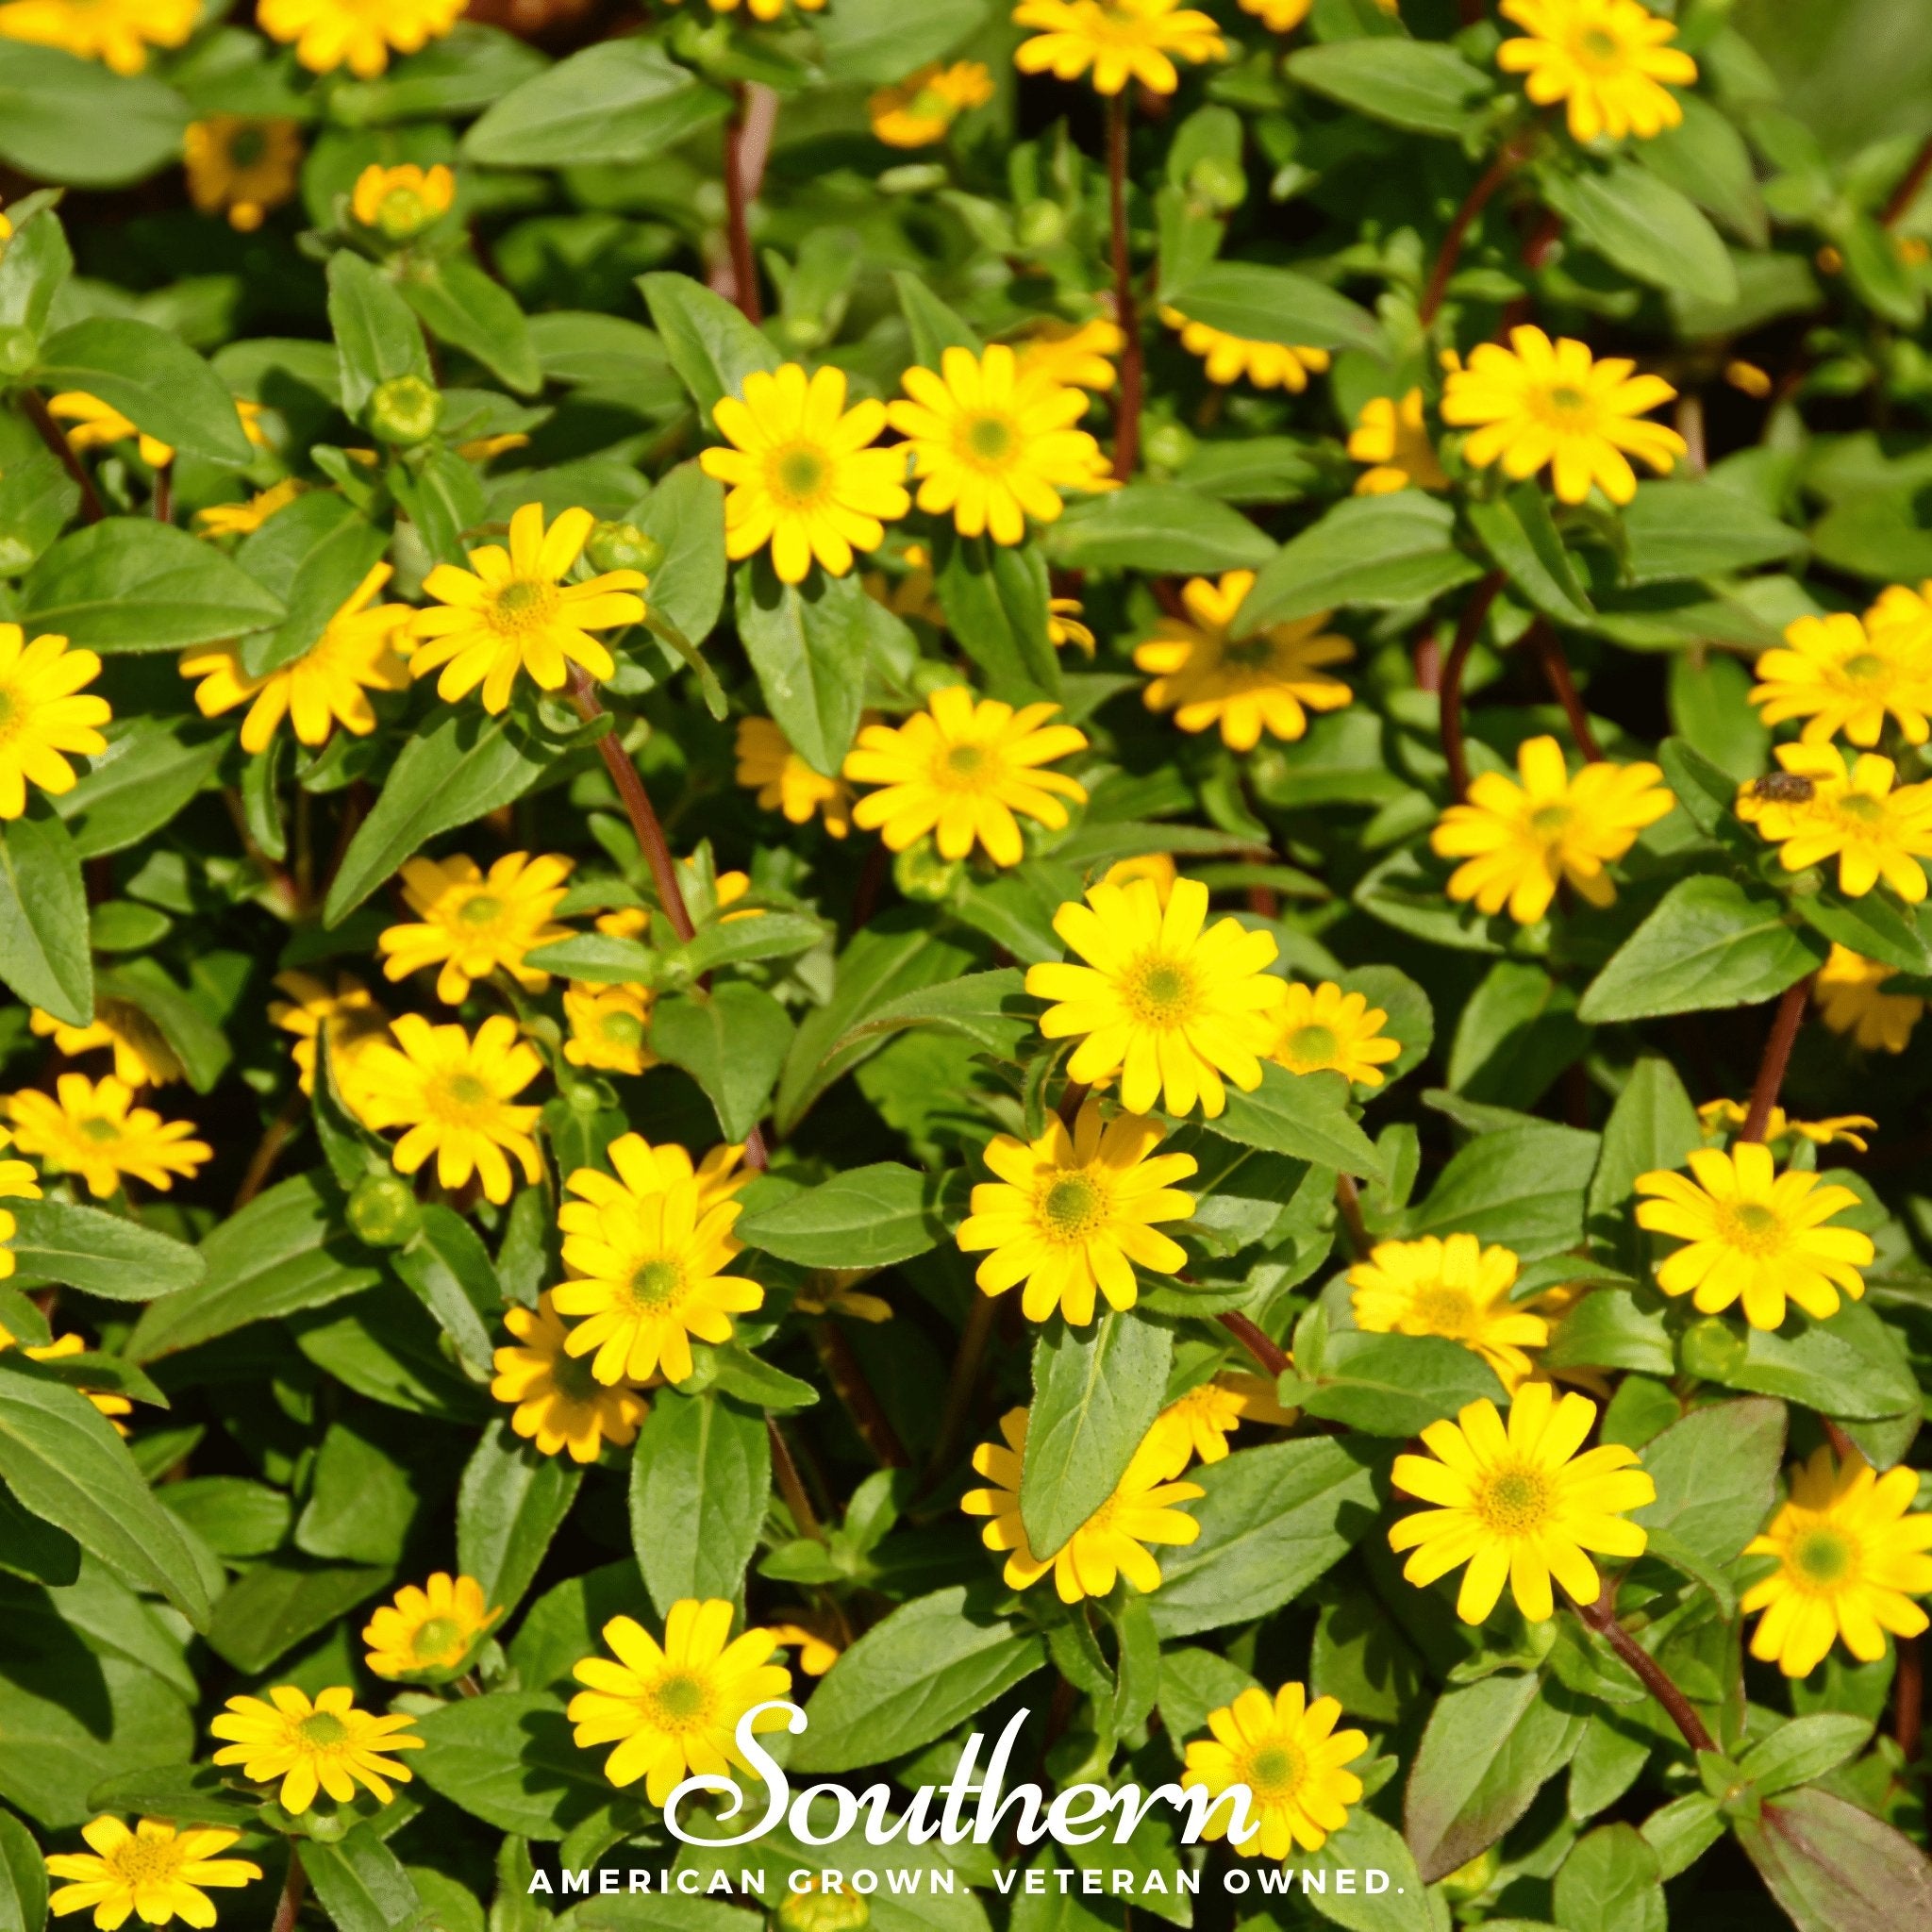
[1612, 1882]
[867, 1217]
[461, 306]
[153, 377]
[283, 1601]
[995, 599]
[449, 1271]
[1711, 942]
[686, 514]
[1160, 528]
[1521, 1186]
[150, 770]
[131, 584]
[45, 954]
[1853, 1366]
[989, 1008]
[374, 332]
[1716, 1474]
[1391, 1385]
[1644, 228]
[1517, 1033]
[37, 499]
[732, 1042]
[1521, 536]
[1612, 1328]
[1096, 1390]
[1705, 158]
[1835, 1868]
[66, 1465]
[23, 1878]
[68, 120]
[1805, 1749]
[933, 326]
[1420, 85]
[1679, 529]
[509, 1759]
[34, 1550]
[313, 556]
[103, 1254]
[700, 1479]
[1302, 1114]
[361, 1883]
[739, 942]
[621, 102]
[1274, 305]
[871, 42]
[710, 344]
[1364, 1843]
[808, 643]
[912, 1678]
[510, 1507]
[1876, 925]
[598, 957]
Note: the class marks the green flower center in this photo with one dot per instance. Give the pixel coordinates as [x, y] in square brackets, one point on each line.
[481, 909]
[799, 475]
[323, 1730]
[98, 1130]
[1514, 1501]
[1251, 654]
[1071, 1207]
[1823, 1557]
[523, 605]
[680, 1701]
[989, 438]
[467, 1090]
[571, 1376]
[1568, 408]
[11, 709]
[401, 214]
[1862, 667]
[928, 104]
[1861, 807]
[1754, 1228]
[247, 146]
[1550, 822]
[1159, 991]
[1308, 1049]
[966, 761]
[1443, 1310]
[1599, 46]
[656, 1284]
[1275, 1772]
[439, 1639]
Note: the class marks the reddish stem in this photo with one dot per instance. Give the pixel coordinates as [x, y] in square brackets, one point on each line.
[294, 1886]
[744, 271]
[1478, 197]
[963, 1381]
[1126, 437]
[1263, 1347]
[1777, 1057]
[849, 1379]
[1455, 746]
[163, 505]
[1908, 1699]
[55, 439]
[1602, 1617]
[790, 1484]
[1908, 190]
[1556, 669]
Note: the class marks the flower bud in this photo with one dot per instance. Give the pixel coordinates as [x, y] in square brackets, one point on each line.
[623, 546]
[1711, 1349]
[1218, 181]
[19, 350]
[1168, 445]
[823, 1911]
[404, 409]
[383, 1210]
[1042, 225]
[920, 873]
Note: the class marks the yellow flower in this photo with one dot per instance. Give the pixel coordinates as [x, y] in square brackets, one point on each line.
[921, 109]
[652, 1271]
[1198, 1424]
[1540, 403]
[142, 1057]
[559, 1404]
[912, 594]
[329, 1745]
[643, 1171]
[1873, 828]
[96, 423]
[1326, 1030]
[1110, 1545]
[1393, 435]
[455, 1097]
[1063, 626]
[762, 10]
[154, 1871]
[242, 165]
[1267, 365]
[805, 477]
[834, 1291]
[95, 1131]
[328, 684]
[1719, 1117]
[1272, 680]
[1519, 841]
[1841, 679]
[399, 203]
[43, 715]
[610, 1028]
[428, 1631]
[354, 1021]
[18, 1182]
[993, 446]
[1280, 16]
[1120, 40]
[482, 449]
[1606, 58]
[117, 32]
[962, 769]
[1847, 993]
[1170, 1007]
[1850, 1561]
[812, 1635]
[244, 518]
[1456, 1289]
[1521, 1508]
[675, 1711]
[1076, 355]
[512, 611]
[474, 922]
[784, 782]
[1074, 1212]
[358, 34]
[1289, 1757]
[1157, 868]
[1754, 1235]
[1748, 379]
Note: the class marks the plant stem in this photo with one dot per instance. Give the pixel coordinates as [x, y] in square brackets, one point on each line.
[1908, 1699]
[791, 1485]
[275, 1138]
[1264, 1348]
[1492, 177]
[1349, 1201]
[1602, 1617]
[294, 1886]
[1908, 190]
[1467, 626]
[849, 1378]
[744, 271]
[55, 439]
[1126, 435]
[163, 505]
[964, 1379]
[1777, 1057]
[1549, 651]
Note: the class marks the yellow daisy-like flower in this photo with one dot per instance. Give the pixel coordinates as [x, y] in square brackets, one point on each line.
[1844, 680]
[1196, 1426]
[512, 611]
[765, 10]
[803, 474]
[1520, 1508]
[1848, 997]
[784, 782]
[1270, 681]
[349, 1013]
[428, 1631]
[1754, 1235]
[474, 922]
[357, 34]
[1456, 1289]
[1120, 40]
[18, 1182]
[1519, 841]
[456, 1098]
[912, 596]
[399, 203]
[1170, 1007]
[329, 1745]
[1540, 402]
[1326, 1030]
[1267, 365]
[643, 1171]
[673, 1712]
[921, 109]
[962, 769]
[814, 1639]
[610, 1028]
[244, 518]
[993, 446]
[93, 425]
[652, 1271]
[834, 1291]
[1110, 1545]
[1850, 1560]
[1157, 868]
[115, 33]
[1720, 1117]
[1606, 58]
[154, 1871]
[326, 686]
[1076, 355]
[142, 1057]
[1291, 1758]
[559, 1404]
[44, 716]
[1284, 16]
[1063, 626]
[96, 1132]
[242, 165]
[1393, 437]
[1874, 828]
[1073, 1213]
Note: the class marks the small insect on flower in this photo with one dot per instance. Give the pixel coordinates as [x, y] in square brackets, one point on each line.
[324, 1746]
[1287, 1753]
[155, 1872]
[1858, 814]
